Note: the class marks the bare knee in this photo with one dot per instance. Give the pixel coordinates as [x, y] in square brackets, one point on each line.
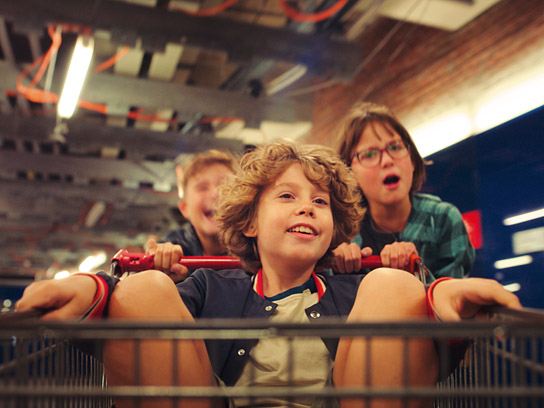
[390, 293]
[146, 294]
[393, 281]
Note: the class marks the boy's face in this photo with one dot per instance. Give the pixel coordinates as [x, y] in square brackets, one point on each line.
[294, 223]
[200, 197]
[388, 182]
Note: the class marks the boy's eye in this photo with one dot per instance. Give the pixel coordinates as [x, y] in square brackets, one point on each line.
[321, 201]
[201, 187]
[286, 195]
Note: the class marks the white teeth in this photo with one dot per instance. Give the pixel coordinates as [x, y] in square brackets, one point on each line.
[303, 229]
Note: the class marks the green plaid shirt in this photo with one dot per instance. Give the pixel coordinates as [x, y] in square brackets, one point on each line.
[436, 229]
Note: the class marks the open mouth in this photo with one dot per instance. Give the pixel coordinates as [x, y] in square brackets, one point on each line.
[302, 229]
[209, 214]
[391, 180]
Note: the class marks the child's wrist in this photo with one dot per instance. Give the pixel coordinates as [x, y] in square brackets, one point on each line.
[100, 298]
[431, 310]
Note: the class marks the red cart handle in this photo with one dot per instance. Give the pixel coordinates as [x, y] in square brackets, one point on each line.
[124, 261]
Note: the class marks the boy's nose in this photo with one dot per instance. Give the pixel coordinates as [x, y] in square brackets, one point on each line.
[306, 209]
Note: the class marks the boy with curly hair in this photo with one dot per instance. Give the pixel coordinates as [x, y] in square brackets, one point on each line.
[282, 213]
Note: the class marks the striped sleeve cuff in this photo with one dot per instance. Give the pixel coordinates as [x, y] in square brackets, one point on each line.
[96, 310]
[431, 310]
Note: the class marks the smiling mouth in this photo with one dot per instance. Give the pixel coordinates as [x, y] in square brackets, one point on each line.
[303, 230]
[391, 180]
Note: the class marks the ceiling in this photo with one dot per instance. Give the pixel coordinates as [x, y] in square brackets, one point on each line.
[183, 81]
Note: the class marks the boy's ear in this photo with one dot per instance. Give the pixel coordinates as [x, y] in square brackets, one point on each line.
[251, 231]
[182, 205]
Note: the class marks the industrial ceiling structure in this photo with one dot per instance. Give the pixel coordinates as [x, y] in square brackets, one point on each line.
[169, 78]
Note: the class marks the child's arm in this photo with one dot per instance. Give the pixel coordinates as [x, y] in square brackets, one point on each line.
[166, 259]
[68, 298]
[456, 299]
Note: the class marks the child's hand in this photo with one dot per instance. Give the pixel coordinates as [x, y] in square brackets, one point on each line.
[348, 257]
[457, 299]
[166, 259]
[397, 255]
[67, 298]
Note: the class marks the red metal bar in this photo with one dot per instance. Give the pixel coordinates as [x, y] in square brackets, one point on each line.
[124, 261]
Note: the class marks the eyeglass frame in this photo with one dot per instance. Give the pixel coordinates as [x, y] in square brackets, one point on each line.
[385, 149]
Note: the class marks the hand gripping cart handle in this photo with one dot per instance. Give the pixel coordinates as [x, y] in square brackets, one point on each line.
[124, 261]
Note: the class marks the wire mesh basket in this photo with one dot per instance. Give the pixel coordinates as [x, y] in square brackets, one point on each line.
[58, 364]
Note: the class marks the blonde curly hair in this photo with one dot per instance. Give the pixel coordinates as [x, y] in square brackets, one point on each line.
[240, 193]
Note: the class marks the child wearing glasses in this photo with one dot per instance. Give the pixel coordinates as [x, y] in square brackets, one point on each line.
[400, 221]
[282, 213]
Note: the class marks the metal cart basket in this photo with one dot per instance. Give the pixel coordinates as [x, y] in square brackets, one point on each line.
[57, 364]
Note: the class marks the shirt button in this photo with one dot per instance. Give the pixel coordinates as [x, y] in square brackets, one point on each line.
[268, 308]
[314, 314]
[241, 352]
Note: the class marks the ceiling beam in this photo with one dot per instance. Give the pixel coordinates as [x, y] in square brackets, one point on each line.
[29, 190]
[118, 90]
[87, 169]
[87, 136]
[156, 26]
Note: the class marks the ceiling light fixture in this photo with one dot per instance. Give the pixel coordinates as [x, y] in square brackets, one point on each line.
[510, 103]
[442, 132]
[512, 287]
[92, 261]
[284, 80]
[62, 274]
[528, 216]
[521, 95]
[511, 262]
[77, 71]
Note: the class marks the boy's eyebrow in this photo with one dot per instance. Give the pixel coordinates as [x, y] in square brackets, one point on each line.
[295, 186]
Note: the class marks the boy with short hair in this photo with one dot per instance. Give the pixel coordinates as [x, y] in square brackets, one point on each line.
[282, 213]
[197, 186]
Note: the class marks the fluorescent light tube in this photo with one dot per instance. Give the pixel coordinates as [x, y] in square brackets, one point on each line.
[512, 287]
[77, 71]
[511, 262]
[528, 216]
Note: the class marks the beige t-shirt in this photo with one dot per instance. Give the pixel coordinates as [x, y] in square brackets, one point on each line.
[271, 360]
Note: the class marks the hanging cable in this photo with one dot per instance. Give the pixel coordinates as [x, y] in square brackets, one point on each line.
[111, 61]
[312, 17]
[56, 40]
[210, 11]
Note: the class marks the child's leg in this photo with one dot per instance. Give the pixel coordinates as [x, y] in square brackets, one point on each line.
[386, 295]
[153, 296]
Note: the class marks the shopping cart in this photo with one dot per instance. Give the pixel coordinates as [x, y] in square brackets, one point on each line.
[58, 364]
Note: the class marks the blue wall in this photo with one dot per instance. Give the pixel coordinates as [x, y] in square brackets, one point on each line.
[501, 173]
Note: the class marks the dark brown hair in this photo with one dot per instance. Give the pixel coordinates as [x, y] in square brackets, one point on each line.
[366, 114]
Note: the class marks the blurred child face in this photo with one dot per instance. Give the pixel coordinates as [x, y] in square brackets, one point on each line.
[294, 223]
[200, 197]
[389, 181]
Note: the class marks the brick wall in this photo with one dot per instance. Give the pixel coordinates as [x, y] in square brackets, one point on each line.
[421, 69]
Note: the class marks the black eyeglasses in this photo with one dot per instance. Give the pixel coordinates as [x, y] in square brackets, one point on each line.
[371, 157]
